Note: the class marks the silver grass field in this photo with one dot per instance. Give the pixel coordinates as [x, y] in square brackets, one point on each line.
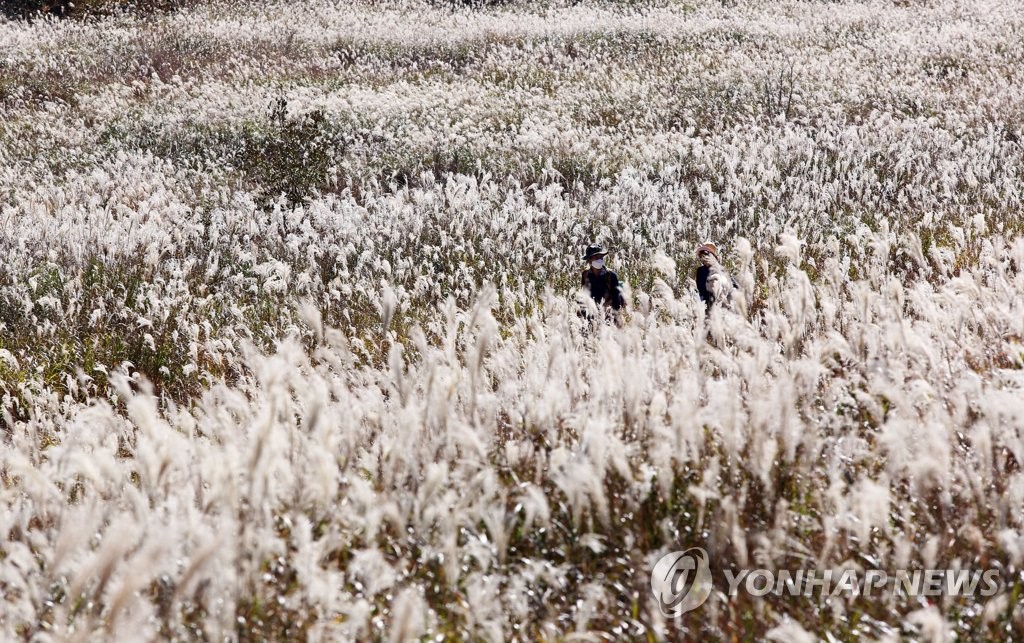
[290, 344]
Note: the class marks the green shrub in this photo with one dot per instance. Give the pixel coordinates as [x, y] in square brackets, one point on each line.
[292, 157]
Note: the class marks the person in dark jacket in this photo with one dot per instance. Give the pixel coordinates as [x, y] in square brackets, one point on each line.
[603, 284]
[714, 283]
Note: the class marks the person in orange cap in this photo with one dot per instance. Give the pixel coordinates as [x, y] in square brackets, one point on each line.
[714, 283]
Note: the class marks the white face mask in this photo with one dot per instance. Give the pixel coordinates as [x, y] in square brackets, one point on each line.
[597, 263]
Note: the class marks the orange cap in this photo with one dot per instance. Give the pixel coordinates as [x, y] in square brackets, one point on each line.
[708, 246]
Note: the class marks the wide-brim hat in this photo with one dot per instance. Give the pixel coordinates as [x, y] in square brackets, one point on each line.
[594, 251]
[708, 246]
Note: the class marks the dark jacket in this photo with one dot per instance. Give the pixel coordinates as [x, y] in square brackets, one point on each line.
[604, 288]
[706, 294]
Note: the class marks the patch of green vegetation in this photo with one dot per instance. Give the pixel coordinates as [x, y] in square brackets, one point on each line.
[293, 157]
[64, 346]
[25, 84]
[265, 615]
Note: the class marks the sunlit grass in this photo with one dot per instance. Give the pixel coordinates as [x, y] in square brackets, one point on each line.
[289, 344]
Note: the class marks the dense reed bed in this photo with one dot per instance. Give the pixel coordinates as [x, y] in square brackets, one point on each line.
[289, 343]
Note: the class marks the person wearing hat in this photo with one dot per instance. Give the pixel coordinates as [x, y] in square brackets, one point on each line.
[714, 283]
[603, 284]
